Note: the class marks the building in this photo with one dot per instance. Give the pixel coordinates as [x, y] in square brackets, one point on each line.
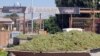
[86, 22]
[6, 24]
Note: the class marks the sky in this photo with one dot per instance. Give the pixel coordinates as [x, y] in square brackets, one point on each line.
[36, 3]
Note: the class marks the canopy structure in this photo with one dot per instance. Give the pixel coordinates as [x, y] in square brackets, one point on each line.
[6, 24]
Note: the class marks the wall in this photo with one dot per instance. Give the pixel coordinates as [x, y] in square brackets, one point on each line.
[48, 54]
[4, 38]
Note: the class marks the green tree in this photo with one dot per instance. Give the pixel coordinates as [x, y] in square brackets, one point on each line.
[63, 19]
[76, 3]
[14, 17]
[51, 26]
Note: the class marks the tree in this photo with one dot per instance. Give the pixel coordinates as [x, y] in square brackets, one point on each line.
[76, 3]
[63, 19]
[51, 26]
[13, 16]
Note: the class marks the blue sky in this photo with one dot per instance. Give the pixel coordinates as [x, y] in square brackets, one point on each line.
[36, 3]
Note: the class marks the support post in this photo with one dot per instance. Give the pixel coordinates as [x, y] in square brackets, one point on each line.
[11, 27]
[93, 16]
[70, 21]
[32, 21]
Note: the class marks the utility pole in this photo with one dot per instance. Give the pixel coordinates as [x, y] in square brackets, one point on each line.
[40, 22]
[24, 30]
[32, 21]
[32, 15]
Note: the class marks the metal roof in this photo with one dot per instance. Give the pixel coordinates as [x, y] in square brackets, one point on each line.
[5, 20]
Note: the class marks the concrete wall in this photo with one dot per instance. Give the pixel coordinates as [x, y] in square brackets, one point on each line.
[15, 53]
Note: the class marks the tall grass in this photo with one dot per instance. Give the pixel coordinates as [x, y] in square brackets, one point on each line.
[66, 41]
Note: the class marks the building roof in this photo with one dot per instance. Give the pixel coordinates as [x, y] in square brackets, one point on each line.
[5, 20]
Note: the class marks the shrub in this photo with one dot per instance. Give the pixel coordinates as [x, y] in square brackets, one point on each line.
[3, 53]
[66, 41]
[22, 36]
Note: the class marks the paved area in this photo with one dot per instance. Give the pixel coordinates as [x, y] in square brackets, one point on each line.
[95, 54]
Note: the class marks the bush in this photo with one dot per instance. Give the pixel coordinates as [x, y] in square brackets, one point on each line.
[25, 37]
[66, 41]
[22, 36]
[3, 53]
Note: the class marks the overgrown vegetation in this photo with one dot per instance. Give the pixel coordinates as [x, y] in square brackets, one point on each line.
[66, 41]
[22, 36]
[3, 53]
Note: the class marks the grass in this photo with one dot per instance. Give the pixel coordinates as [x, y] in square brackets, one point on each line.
[66, 41]
[3, 53]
